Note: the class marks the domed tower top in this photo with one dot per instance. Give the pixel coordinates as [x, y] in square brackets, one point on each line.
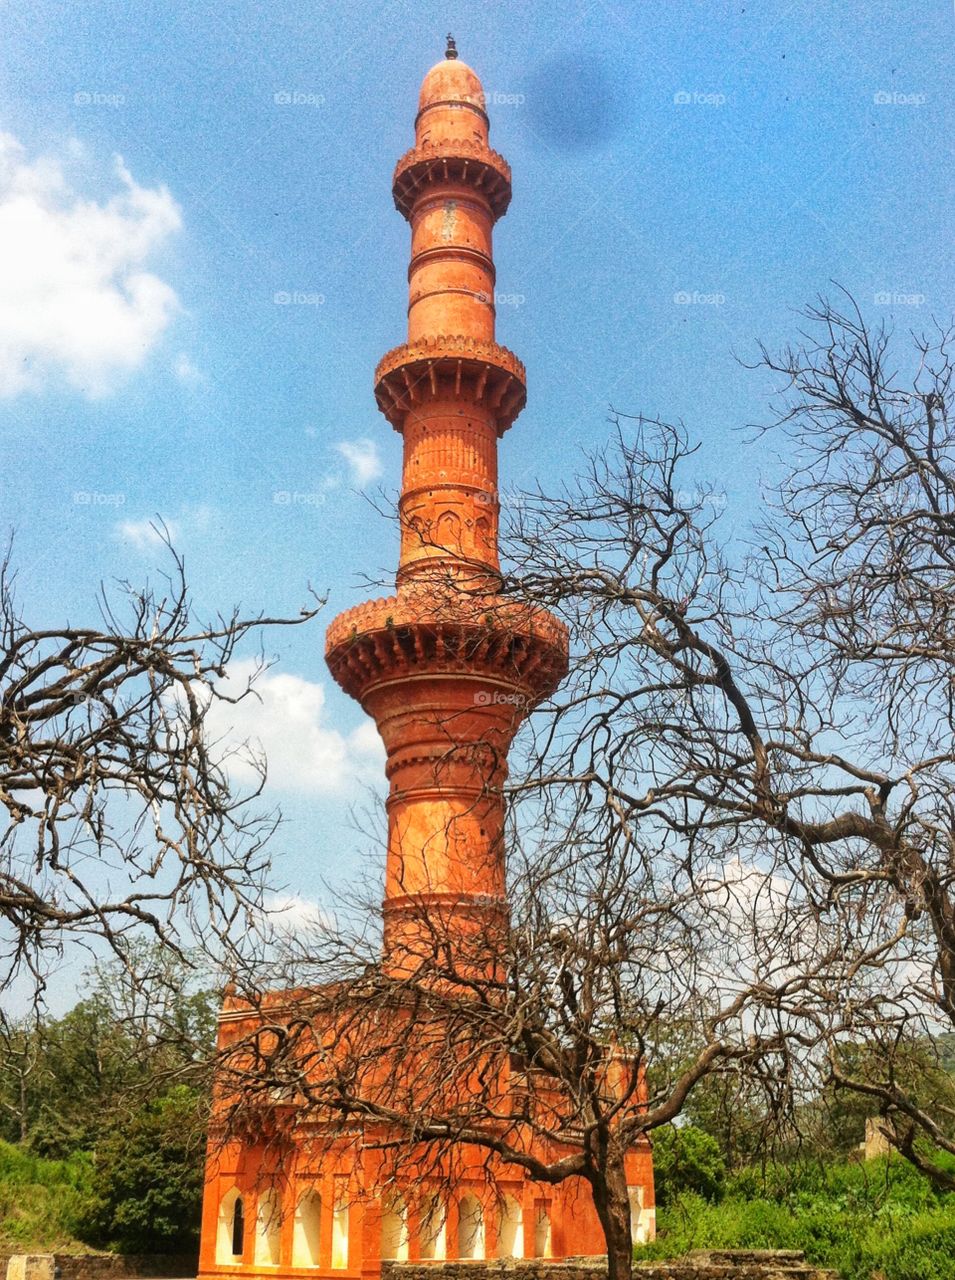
[451, 140]
[451, 103]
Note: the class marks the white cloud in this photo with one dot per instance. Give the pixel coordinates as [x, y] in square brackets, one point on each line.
[285, 720]
[186, 371]
[363, 458]
[76, 298]
[291, 914]
[145, 535]
[200, 519]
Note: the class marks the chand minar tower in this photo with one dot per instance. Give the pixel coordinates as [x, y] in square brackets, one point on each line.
[447, 667]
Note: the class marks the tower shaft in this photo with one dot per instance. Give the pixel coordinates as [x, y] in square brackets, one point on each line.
[447, 667]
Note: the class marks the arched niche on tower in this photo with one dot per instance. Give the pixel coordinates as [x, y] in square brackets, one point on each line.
[268, 1228]
[340, 1222]
[307, 1230]
[639, 1220]
[394, 1229]
[433, 1229]
[470, 1227]
[510, 1232]
[542, 1230]
[448, 531]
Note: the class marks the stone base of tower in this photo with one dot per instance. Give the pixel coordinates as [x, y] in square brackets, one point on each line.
[284, 1198]
[324, 1222]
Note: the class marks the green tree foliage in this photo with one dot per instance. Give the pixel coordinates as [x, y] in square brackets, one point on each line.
[114, 1094]
[147, 1179]
[87, 1071]
[66, 1081]
[726, 1106]
[686, 1159]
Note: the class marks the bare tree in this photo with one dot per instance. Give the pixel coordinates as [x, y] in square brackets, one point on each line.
[526, 1051]
[120, 820]
[21, 1065]
[792, 707]
[743, 800]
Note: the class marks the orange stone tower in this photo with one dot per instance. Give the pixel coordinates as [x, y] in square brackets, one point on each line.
[447, 668]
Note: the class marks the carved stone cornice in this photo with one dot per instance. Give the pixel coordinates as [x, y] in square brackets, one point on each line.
[451, 366]
[518, 646]
[452, 160]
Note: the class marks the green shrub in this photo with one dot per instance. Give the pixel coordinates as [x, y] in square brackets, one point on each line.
[880, 1219]
[922, 1249]
[686, 1159]
[19, 1166]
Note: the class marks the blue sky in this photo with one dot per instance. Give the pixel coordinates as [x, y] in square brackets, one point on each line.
[686, 176]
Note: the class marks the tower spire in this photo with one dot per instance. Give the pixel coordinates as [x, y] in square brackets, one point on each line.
[447, 667]
[452, 50]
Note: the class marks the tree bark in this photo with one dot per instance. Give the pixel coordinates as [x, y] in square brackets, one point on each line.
[612, 1202]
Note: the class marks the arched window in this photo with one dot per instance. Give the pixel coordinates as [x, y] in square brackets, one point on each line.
[639, 1230]
[433, 1234]
[340, 1224]
[470, 1227]
[542, 1245]
[230, 1229]
[268, 1233]
[510, 1232]
[306, 1234]
[238, 1228]
[394, 1230]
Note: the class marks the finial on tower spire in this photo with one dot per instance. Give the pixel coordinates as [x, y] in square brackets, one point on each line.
[452, 50]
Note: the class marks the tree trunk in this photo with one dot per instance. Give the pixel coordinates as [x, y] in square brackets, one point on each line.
[24, 1124]
[612, 1202]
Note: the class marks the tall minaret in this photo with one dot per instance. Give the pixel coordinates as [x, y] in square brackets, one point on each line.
[447, 667]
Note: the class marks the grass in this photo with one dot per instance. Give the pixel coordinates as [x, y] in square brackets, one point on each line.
[42, 1202]
[878, 1221]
